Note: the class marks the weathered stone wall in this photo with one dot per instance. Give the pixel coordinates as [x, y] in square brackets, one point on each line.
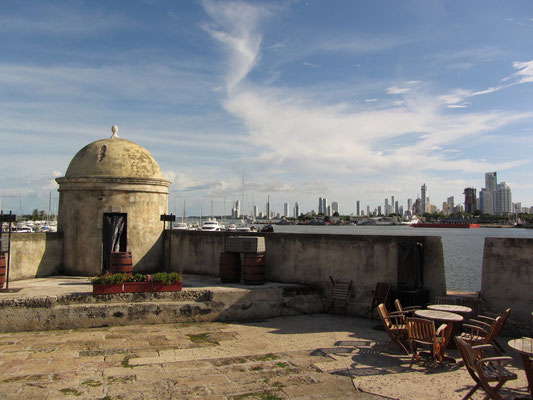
[34, 255]
[311, 258]
[507, 279]
[81, 220]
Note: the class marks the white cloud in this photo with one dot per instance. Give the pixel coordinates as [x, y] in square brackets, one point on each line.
[525, 73]
[235, 26]
[396, 90]
[308, 64]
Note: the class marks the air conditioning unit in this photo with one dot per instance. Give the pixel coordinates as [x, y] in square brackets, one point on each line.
[245, 244]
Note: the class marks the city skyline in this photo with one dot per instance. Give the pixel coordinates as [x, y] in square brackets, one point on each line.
[369, 103]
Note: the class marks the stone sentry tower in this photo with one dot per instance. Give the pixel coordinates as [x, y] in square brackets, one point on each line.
[111, 199]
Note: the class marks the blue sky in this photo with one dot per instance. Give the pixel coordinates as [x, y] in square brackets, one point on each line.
[349, 100]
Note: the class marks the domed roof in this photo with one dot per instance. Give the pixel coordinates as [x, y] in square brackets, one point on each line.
[114, 157]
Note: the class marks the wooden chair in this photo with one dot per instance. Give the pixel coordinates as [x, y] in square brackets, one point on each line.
[481, 333]
[395, 326]
[422, 332]
[486, 322]
[380, 295]
[340, 296]
[446, 300]
[410, 310]
[484, 370]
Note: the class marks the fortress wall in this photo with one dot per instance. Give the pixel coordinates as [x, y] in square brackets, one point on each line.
[311, 258]
[34, 255]
[507, 279]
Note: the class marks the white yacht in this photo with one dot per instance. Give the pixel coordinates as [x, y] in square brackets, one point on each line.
[181, 226]
[211, 225]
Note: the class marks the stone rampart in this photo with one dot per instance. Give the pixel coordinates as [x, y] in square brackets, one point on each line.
[35, 255]
[507, 280]
[311, 259]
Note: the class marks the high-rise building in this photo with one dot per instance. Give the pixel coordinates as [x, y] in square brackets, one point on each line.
[487, 199]
[286, 210]
[470, 200]
[357, 208]
[423, 198]
[503, 199]
[410, 206]
[268, 211]
[451, 202]
[255, 212]
[296, 210]
[325, 206]
[491, 181]
[386, 209]
[320, 209]
[334, 207]
[396, 211]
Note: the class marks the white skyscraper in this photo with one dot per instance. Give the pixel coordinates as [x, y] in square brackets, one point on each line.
[503, 199]
[286, 210]
[334, 207]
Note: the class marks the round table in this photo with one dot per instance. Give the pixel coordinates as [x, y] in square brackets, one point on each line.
[439, 316]
[450, 308]
[524, 346]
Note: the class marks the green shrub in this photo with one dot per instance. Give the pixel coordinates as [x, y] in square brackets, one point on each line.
[167, 278]
[108, 279]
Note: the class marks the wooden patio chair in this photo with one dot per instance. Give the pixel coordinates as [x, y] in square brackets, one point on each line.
[480, 333]
[340, 296]
[422, 332]
[486, 321]
[380, 295]
[410, 310]
[395, 326]
[446, 300]
[484, 370]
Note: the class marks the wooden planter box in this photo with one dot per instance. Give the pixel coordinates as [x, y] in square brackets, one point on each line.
[137, 287]
[107, 289]
[161, 287]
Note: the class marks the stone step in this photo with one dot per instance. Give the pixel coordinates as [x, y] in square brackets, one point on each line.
[83, 310]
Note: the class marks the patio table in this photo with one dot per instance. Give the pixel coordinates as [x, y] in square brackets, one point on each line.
[524, 346]
[461, 310]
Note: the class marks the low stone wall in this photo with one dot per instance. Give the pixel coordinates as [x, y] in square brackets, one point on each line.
[507, 280]
[311, 259]
[34, 255]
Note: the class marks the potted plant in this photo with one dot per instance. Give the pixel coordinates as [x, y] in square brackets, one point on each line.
[108, 283]
[167, 282]
[138, 283]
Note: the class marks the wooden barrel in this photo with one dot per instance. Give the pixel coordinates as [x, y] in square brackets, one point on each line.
[2, 269]
[253, 269]
[121, 262]
[230, 267]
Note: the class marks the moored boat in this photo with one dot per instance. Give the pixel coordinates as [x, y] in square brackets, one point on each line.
[445, 225]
